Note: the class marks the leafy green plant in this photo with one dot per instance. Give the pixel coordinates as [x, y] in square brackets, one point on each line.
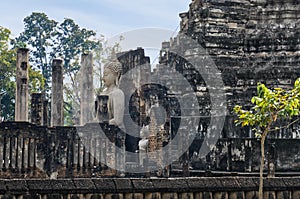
[269, 106]
[7, 73]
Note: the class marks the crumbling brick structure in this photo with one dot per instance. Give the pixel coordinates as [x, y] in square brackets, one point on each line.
[248, 42]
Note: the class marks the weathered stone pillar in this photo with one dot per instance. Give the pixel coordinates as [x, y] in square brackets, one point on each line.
[37, 109]
[46, 119]
[57, 118]
[21, 104]
[86, 89]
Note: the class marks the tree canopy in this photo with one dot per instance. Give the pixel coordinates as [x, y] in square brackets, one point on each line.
[7, 72]
[48, 39]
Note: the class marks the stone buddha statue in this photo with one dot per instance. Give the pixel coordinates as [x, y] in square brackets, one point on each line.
[110, 109]
[114, 96]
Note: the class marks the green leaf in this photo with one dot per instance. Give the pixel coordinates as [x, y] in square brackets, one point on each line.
[297, 83]
[258, 135]
[256, 100]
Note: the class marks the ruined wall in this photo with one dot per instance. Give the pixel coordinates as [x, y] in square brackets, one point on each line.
[135, 68]
[28, 150]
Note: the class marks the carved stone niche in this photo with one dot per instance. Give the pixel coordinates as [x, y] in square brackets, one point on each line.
[101, 106]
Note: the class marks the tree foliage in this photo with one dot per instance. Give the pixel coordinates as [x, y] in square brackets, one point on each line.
[269, 106]
[38, 36]
[7, 76]
[7, 72]
[48, 39]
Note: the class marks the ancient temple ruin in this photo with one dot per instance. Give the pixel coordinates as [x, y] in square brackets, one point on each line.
[248, 41]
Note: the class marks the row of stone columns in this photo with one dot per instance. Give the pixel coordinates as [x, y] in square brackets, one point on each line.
[39, 105]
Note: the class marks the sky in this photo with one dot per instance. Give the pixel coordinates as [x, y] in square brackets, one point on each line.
[108, 17]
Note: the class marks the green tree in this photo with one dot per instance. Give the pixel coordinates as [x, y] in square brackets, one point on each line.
[71, 42]
[36, 81]
[7, 76]
[7, 73]
[48, 39]
[38, 37]
[269, 106]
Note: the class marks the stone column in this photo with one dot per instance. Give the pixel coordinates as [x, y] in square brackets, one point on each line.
[46, 119]
[37, 109]
[57, 118]
[86, 89]
[21, 104]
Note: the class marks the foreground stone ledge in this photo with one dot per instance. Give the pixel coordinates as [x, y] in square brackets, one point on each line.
[148, 185]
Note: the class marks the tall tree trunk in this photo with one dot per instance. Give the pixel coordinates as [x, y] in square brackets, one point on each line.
[261, 170]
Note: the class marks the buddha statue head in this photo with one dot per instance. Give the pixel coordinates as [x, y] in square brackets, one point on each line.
[112, 73]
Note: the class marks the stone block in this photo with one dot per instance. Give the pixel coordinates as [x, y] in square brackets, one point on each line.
[170, 185]
[16, 186]
[274, 184]
[40, 186]
[230, 183]
[84, 185]
[248, 184]
[63, 186]
[123, 185]
[142, 185]
[203, 184]
[105, 185]
[292, 182]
